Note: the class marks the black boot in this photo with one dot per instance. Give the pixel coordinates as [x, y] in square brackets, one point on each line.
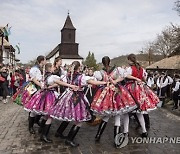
[101, 128]
[37, 118]
[117, 130]
[60, 130]
[44, 134]
[147, 121]
[144, 134]
[137, 120]
[163, 102]
[31, 124]
[42, 124]
[69, 141]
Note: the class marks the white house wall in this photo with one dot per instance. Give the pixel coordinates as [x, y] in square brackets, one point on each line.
[64, 61]
[6, 60]
[69, 61]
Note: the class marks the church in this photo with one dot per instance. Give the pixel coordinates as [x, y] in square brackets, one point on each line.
[68, 48]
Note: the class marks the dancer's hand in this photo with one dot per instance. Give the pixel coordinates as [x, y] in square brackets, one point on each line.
[42, 86]
[114, 82]
[74, 87]
[138, 80]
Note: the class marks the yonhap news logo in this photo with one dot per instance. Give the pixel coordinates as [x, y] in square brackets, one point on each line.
[122, 140]
[155, 140]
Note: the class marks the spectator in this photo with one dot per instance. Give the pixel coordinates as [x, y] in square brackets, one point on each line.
[162, 83]
[169, 86]
[176, 91]
[150, 80]
[4, 84]
[16, 81]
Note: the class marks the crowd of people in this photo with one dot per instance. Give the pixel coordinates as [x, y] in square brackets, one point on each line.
[11, 79]
[79, 94]
[166, 86]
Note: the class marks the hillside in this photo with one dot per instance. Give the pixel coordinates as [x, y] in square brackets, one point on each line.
[142, 58]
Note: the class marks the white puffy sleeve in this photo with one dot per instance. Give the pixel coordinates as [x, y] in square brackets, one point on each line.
[84, 79]
[51, 80]
[145, 74]
[35, 73]
[127, 71]
[98, 75]
[63, 72]
[64, 78]
[120, 72]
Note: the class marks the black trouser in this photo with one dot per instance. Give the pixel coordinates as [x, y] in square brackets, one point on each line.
[175, 98]
[161, 93]
[168, 92]
[5, 90]
[1, 90]
[14, 89]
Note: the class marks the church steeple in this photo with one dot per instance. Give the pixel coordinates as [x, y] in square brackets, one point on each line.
[68, 31]
[68, 23]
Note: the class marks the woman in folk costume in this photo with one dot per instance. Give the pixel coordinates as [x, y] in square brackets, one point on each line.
[59, 71]
[43, 100]
[111, 100]
[36, 82]
[145, 98]
[73, 105]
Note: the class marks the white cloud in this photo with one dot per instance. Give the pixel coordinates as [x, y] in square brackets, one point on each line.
[103, 27]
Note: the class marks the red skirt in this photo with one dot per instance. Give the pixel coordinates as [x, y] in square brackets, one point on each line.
[144, 96]
[111, 100]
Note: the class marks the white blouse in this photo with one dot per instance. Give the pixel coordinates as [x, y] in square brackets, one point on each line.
[98, 75]
[35, 73]
[120, 72]
[84, 79]
[51, 80]
[116, 73]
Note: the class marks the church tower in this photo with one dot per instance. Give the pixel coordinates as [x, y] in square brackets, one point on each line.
[68, 48]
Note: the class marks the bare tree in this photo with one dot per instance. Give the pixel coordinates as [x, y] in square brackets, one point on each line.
[177, 6]
[167, 41]
[148, 52]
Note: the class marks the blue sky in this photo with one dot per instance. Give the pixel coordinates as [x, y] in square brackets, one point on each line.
[105, 27]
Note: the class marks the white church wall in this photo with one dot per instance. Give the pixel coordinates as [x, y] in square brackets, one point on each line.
[69, 61]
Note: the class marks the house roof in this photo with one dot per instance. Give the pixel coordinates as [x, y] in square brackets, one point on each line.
[167, 63]
[68, 24]
[53, 52]
[56, 50]
[5, 42]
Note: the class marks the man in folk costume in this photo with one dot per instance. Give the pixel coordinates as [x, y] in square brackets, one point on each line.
[162, 83]
[176, 91]
[150, 80]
